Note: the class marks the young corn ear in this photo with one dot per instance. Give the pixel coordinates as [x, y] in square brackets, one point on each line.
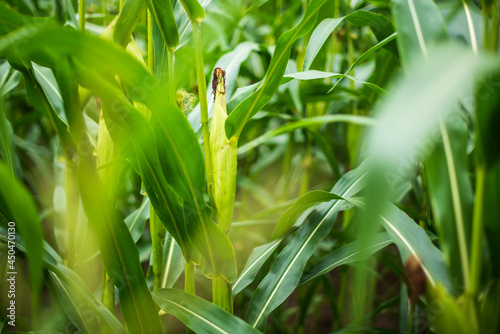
[224, 155]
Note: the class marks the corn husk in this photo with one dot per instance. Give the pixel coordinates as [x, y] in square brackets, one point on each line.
[224, 157]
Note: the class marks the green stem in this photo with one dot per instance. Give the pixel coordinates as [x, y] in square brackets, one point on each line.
[222, 294]
[81, 15]
[108, 292]
[411, 317]
[151, 50]
[486, 30]
[202, 93]
[477, 231]
[494, 28]
[171, 81]
[157, 235]
[189, 283]
[72, 200]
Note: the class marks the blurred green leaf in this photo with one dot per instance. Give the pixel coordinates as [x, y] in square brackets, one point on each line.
[127, 21]
[119, 253]
[194, 10]
[23, 210]
[77, 290]
[451, 195]
[419, 24]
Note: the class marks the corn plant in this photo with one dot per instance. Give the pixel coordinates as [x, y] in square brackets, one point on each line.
[340, 174]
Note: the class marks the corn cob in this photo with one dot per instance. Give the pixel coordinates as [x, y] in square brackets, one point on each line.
[224, 155]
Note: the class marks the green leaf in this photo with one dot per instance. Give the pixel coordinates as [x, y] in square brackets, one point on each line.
[381, 25]
[164, 16]
[198, 314]
[76, 290]
[304, 123]
[255, 261]
[365, 56]
[231, 63]
[173, 265]
[194, 10]
[127, 20]
[137, 220]
[45, 97]
[9, 79]
[246, 109]
[289, 217]
[411, 239]
[313, 74]
[464, 22]
[355, 251]
[119, 253]
[102, 62]
[419, 24]
[21, 207]
[449, 187]
[451, 197]
[285, 273]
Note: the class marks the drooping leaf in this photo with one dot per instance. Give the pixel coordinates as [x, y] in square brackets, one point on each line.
[381, 25]
[254, 262]
[285, 273]
[198, 314]
[411, 239]
[306, 201]
[350, 253]
[303, 123]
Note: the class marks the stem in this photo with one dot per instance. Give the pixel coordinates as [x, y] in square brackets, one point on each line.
[486, 30]
[171, 81]
[222, 294]
[202, 93]
[81, 15]
[411, 317]
[151, 50]
[189, 283]
[494, 28]
[72, 200]
[108, 292]
[477, 232]
[157, 235]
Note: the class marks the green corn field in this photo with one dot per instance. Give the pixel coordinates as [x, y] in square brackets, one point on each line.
[237, 166]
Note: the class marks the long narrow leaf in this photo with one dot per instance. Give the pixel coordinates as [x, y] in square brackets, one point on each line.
[198, 314]
[350, 253]
[246, 109]
[288, 267]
